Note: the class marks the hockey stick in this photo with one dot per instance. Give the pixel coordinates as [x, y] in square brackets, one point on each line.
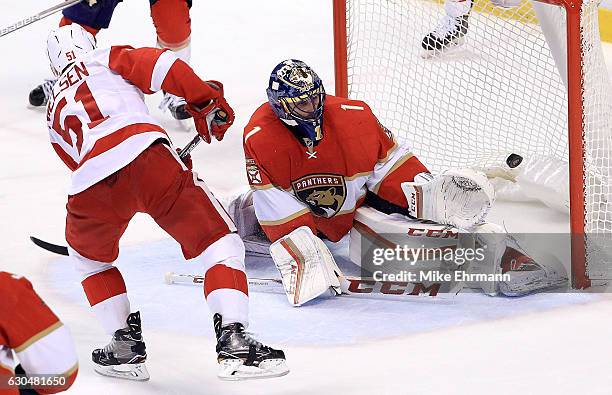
[54, 248]
[63, 250]
[178, 278]
[220, 116]
[190, 146]
[359, 286]
[43, 14]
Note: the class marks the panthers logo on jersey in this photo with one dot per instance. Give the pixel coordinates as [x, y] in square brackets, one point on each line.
[323, 193]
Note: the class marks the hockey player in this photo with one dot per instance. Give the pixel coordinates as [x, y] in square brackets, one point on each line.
[30, 330]
[312, 159]
[173, 27]
[122, 162]
[451, 28]
[454, 25]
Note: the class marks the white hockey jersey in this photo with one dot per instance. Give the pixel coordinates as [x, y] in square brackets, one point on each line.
[97, 118]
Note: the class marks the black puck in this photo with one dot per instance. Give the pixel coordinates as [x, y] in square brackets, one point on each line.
[514, 160]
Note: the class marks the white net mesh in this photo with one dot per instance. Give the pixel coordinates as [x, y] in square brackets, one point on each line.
[499, 92]
[597, 121]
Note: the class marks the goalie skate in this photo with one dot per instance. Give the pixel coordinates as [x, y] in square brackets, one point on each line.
[125, 355]
[241, 357]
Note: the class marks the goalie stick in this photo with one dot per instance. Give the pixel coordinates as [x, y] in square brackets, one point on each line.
[63, 250]
[36, 17]
[359, 286]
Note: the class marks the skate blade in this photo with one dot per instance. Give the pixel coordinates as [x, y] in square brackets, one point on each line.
[235, 370]
[134, 372]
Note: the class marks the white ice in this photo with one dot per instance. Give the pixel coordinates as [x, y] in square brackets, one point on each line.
[471, 344]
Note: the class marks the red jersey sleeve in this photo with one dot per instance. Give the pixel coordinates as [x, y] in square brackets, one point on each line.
[152, 69]
[396, 164]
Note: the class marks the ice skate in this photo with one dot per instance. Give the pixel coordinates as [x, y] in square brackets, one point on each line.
[241, 357]
[176, 106]
[448, 34]
[451, 29]
[125, 355]
[39, 96]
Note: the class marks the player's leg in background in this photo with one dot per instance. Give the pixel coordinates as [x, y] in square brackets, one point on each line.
[451, 28]
[173, 26]
[93, 19]
[554, 25]
[96, 220]
[185, 208]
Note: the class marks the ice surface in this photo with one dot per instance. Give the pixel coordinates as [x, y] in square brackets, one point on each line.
[471, 344]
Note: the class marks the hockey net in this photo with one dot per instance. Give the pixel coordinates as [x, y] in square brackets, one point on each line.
[505, 90]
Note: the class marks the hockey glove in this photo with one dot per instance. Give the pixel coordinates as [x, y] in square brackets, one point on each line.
[459, 197]
[214, 118]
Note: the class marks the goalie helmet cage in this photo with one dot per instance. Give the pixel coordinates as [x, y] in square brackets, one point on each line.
[505, 90]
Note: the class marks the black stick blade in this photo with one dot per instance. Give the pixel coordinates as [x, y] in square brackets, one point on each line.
[61, 250]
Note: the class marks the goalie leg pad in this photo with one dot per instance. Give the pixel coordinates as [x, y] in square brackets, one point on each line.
[306, 265]
[241, 210]
[504, 255]
[528, 276]
[492, 239]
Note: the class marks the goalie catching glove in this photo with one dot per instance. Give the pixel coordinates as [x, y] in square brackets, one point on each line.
[459, 197]
[214, 118]
[306, 266]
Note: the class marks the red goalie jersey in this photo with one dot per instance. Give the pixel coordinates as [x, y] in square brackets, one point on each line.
[321, 187]
[98, 121]
[30, 329]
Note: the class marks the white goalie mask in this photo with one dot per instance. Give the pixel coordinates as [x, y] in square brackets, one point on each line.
[67, 43]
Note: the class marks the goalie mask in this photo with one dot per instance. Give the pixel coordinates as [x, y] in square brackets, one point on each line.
[67, 43]
[296, 95]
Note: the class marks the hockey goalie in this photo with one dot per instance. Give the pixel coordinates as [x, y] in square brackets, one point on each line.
[315, 163]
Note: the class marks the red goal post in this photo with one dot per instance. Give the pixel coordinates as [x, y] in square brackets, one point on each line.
[362, 29]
